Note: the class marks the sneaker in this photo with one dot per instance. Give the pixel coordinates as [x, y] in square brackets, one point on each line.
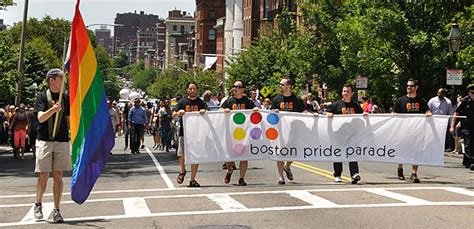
[57, 217]
[242, 182]
[355, 178]
[337, 179]
[194, 184]
[281, 181]
[143, 147]
[400, 174]
[414, 178]
[289, 174]
[38, 211]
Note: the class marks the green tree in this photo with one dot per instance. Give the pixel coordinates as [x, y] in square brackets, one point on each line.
[5, 3]
[144, 78]
[52, 30]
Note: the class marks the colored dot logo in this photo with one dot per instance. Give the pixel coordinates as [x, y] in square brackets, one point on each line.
[271, 133]
[273, 119]
[239, 134]
[239, 118]
[255, 118]
[256, 133]
[239, 149]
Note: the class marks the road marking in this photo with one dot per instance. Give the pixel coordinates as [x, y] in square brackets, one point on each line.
[311, 199]
[397, 196]
[187, 213]
[226, 202]
[317, 170]
[30, 218]
[161, 170]
[135, 207]
[102, 192]
[460, 191]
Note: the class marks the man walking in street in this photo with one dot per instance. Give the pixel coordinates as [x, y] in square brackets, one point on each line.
[237, 102]
[53, 154]
[192, 103]
[286, 101]
[138, 119]
[345, 106]
[466, 108]
[440, 105]
[411, 103]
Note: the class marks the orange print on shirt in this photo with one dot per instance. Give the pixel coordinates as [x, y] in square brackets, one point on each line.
[282, 105]
[417, 106]
[344, 110]
[188, 108]
[408, 106]
[290, 105]
[352, 110]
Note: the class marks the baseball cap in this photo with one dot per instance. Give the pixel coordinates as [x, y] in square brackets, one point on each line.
[470, 87]
[54, 72]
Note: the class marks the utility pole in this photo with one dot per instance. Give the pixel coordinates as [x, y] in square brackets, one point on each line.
[21, 61]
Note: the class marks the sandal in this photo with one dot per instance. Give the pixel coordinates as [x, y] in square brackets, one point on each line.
[194, 184]
[180, 178]
[227, 176]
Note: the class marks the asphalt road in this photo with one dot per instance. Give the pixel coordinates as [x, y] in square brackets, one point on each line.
[140, 191]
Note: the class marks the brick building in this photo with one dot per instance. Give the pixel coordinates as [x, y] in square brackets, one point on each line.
[103, 38]
[126, 36]
[208, 12]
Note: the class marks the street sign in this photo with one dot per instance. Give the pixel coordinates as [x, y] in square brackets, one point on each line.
[265, 91]
[362, 82]
[360, 94]
[453, 77]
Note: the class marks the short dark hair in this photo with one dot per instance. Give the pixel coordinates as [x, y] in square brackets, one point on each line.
[192, 82]
[349, 86]
[289, 81]
[241, 81]
[414, 81]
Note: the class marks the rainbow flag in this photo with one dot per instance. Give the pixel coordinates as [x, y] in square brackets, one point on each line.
[92, 134]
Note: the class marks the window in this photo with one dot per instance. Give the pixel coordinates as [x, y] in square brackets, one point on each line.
[212, 35]
[182, 29]
[175, 28]
[266, 8]
[192, 28]
[212, 14]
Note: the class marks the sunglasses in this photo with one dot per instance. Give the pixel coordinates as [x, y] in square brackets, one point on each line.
[237, 86]
[411, 85]
[282, 84]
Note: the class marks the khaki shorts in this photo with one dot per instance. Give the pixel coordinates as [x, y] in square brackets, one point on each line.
[180, 146]
[53, 156]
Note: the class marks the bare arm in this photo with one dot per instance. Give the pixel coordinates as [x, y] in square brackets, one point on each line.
[45, 115]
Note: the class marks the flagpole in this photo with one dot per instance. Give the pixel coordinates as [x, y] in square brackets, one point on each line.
[62, 88]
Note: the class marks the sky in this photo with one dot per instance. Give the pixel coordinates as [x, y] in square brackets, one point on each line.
[93, 11]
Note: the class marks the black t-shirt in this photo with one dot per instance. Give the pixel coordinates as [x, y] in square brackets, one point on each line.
[189, 105]
[290, 103]
[42, 105]
[407, 105]
[466, 108]
[238, 104]
[341, 107]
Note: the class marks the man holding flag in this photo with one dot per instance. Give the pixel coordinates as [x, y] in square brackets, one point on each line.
[91, 130]
[53, 153]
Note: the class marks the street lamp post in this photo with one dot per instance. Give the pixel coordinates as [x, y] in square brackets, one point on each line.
[21, 60]
[454, 43]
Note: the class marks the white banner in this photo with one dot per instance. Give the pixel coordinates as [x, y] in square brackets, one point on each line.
[247, 135]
